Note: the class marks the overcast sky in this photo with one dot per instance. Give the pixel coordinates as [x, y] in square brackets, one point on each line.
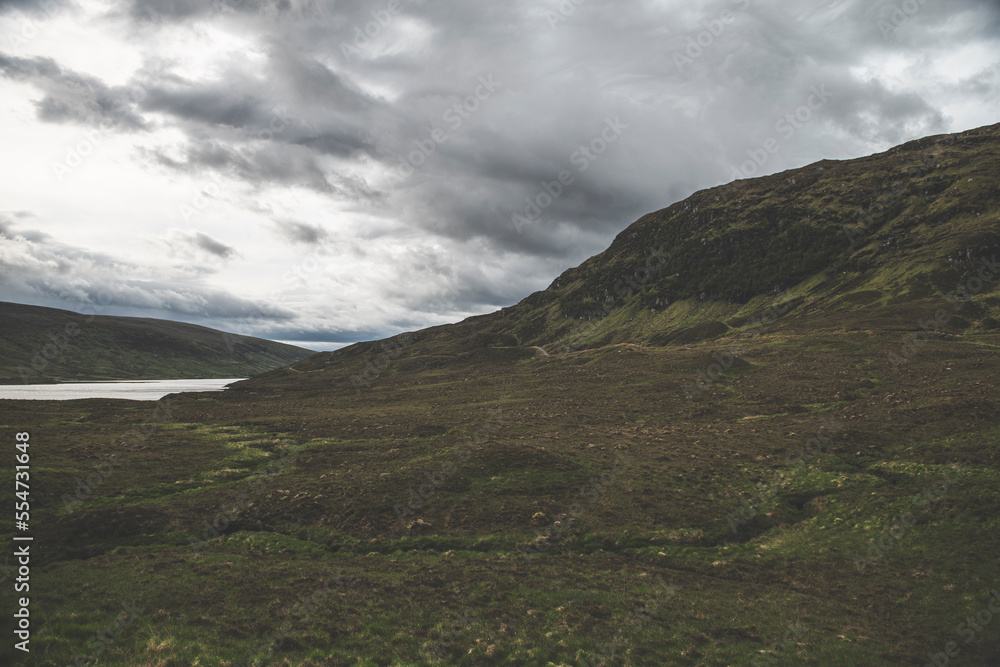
[327, 172]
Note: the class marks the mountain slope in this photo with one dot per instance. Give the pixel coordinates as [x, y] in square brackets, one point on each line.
[889, 231]
[45, 344]
[880, 242]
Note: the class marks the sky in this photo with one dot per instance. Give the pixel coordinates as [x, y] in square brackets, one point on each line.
[327, 172]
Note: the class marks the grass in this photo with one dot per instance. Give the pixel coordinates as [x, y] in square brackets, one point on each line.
[662, 519]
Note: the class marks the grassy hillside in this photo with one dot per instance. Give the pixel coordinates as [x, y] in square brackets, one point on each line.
[48, 345]
[886, 232]
[803, 478]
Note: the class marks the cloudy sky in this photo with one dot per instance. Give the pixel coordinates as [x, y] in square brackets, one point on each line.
[323, 172]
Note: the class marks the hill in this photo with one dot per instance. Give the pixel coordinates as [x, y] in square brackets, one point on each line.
[40, 345]
[777, 446]
[878, 235]
[881, 242]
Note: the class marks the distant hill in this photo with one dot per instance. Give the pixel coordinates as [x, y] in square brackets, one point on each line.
[39, 345]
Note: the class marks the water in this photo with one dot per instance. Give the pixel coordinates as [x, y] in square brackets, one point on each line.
[136, 390]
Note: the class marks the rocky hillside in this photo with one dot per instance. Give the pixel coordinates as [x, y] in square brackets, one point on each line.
[879, 234]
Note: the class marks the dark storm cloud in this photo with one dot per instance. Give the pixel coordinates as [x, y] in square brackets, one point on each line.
[301, 232]
[315, 86]
[268, 165]
[73, 97]
[562, 75]
[161, 11]
[861, 110]
[290, 100]
[267, 130]
[985, 84]
[340, 144]
[196, 245]
[933, 23]
[209, 105]
[210, 245]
